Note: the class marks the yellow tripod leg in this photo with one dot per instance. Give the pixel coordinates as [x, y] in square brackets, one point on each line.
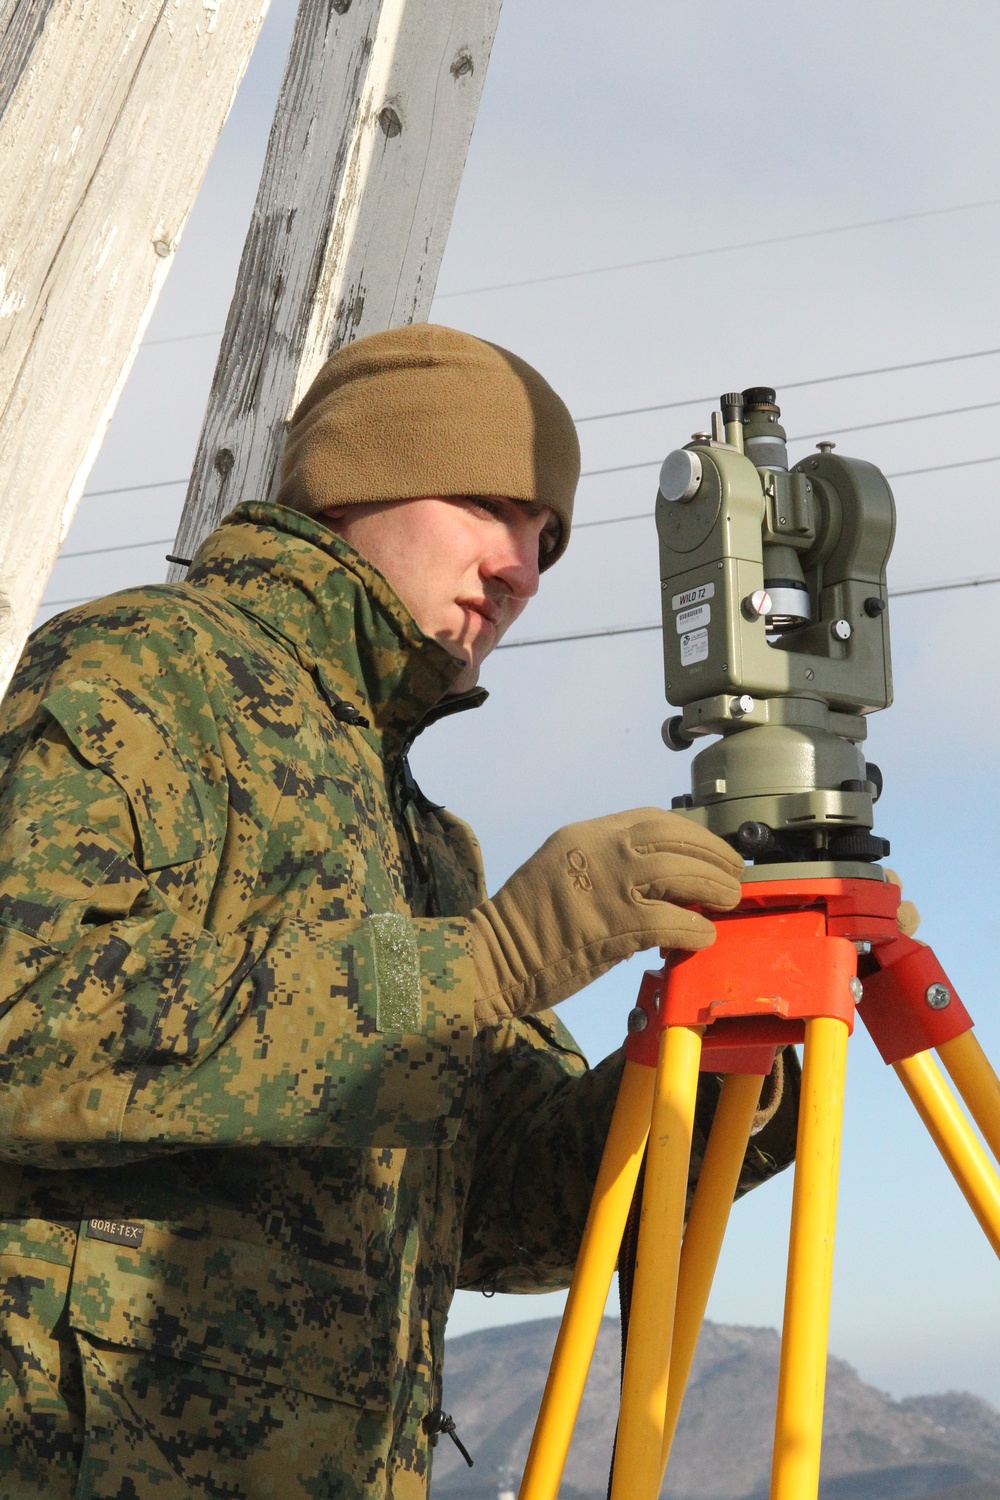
[802, 1379]
[706, 1229]
[977, 1083]
[955, 1139]
[654, 1295]
[588, 1293]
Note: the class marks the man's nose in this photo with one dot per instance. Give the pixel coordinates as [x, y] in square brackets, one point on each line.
[515, 563]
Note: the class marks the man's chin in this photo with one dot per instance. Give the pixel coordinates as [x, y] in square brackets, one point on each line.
[467, 679]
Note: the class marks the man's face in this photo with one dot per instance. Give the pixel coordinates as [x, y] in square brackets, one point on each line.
[465, 567]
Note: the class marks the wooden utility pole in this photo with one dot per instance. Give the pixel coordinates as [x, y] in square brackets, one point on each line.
[355, 203]
[109, 112]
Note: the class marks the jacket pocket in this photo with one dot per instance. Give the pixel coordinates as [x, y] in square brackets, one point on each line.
[254, 1310]
[114, 731]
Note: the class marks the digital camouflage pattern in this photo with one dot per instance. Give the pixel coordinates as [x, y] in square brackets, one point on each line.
[249, 1144]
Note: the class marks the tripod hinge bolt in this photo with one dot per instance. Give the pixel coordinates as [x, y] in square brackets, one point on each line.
[938, 996]
[637, 1019]
[857, 989]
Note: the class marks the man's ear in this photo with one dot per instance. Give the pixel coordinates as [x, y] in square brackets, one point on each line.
[332, 516]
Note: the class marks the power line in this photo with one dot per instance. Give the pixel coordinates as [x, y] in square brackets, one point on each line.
[611, 630]
[656, 260]
[794, 385]
[133, 489]
[962, 463]
[924, 416]
[160, 541]
[777, 239]
[65, 603]
[183, 338]
[653, 463]
[943, 588]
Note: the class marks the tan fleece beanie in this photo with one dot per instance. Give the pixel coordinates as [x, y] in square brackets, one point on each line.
[426, 410]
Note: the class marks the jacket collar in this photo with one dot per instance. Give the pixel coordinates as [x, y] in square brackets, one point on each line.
[336, 613]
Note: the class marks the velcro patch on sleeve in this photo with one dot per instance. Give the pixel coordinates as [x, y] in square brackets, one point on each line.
[397, 973]
[115, 1231]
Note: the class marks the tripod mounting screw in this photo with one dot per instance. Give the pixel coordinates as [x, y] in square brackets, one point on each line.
[938, 996]
[637, 1019]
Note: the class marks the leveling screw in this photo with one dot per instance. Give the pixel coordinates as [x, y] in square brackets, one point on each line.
[938, 996]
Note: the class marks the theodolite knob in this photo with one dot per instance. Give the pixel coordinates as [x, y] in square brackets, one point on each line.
[754, 838]
[680, 475]
[674, 735]
[761, 398]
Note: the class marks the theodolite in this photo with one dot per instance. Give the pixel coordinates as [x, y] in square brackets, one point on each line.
[776, 637]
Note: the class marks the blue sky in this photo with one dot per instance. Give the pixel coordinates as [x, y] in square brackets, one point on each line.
[606, 138]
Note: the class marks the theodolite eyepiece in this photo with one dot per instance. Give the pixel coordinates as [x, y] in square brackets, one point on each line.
[775, 635]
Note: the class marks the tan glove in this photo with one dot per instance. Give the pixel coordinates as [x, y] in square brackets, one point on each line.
[907, 916]
[593, 894]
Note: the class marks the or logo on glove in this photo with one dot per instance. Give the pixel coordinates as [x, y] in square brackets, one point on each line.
[633, 879]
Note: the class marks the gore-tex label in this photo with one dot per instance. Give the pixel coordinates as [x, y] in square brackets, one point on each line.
[694, 647]
[688, 619]
[115, 1231]
[693, 596]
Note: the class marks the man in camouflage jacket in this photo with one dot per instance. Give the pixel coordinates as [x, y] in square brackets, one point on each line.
[276, 1075]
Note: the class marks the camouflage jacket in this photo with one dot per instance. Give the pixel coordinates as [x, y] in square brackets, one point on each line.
[243, 1115]
[232, 940]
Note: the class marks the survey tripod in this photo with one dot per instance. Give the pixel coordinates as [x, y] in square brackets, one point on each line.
[776, 638]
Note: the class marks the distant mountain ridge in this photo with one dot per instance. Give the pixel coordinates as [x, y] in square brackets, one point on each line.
[943, 1447]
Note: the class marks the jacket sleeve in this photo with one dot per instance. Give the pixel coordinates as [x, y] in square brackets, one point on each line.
[541, 1136]
[127, 1027]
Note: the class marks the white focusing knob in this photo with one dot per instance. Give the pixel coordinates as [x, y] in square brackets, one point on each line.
[757, 604]
[680, 475]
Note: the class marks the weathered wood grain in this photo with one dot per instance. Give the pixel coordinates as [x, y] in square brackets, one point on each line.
[355, 202]
[110, 112]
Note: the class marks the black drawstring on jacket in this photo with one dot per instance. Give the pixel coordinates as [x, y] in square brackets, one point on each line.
[439, 1421]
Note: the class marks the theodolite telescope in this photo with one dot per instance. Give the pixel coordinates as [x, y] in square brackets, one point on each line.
[776, 637]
